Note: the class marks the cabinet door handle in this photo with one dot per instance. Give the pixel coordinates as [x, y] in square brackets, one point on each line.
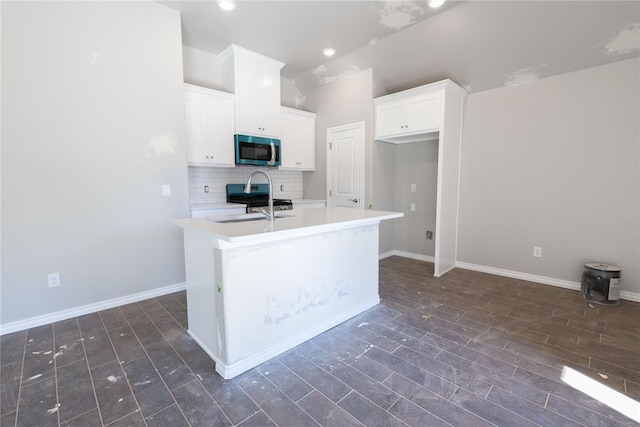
[353, 200]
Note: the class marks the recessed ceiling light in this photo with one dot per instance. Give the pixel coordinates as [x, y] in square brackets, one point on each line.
[329, 51]
[227, 4]
[436, 3]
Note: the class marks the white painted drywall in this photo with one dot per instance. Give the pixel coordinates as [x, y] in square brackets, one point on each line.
[556, 164]
[92, 127]
[339, 103]
[349, 99]
[382, 194]
[416, 163]
[200, 68]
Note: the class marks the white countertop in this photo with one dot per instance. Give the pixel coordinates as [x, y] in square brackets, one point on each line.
[221, 205]
[305, 201]
[302, 223]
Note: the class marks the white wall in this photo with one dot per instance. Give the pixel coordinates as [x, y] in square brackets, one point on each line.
[290, 94]
[340, 103]
[383, 187]
[416, 163]
[201, 68]
[286, 184]
[554, 164]
[343, 102]
[92, 126]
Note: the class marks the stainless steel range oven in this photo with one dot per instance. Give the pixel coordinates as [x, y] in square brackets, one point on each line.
[257, 200]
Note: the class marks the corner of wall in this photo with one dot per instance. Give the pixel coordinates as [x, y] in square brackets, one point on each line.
[201, 68]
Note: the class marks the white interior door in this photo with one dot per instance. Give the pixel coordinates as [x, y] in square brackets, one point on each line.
[345, 166]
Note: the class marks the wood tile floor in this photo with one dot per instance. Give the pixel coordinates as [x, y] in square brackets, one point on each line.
[468, 349]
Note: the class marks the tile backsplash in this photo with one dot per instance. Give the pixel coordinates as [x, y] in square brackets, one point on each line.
[286, 184]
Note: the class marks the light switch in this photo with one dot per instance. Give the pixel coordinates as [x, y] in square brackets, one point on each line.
[413, 188]
[166, 190]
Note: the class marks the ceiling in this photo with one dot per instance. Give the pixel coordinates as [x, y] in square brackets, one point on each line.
[478, 44]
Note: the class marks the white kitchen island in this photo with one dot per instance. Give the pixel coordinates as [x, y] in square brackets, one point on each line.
[255, 290]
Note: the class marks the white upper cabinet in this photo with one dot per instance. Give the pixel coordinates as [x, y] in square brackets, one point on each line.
[255, 81]
[431, 112]
[409, 116]
[209, 122]
[298, 140]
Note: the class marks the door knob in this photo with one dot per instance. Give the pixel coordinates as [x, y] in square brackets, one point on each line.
[353, 200]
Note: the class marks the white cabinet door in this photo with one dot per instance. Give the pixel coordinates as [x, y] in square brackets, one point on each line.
[269, 101]
[209, 124]
[220, 129]
[255, 81]
[390, 118]
[306, 146]
[196, 124]
[247, 94]
[298, 147]
[422, 113]
[408, 117]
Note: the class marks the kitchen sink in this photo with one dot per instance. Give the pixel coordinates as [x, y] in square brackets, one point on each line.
[248, 217]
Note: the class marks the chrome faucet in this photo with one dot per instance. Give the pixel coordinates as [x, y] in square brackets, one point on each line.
[247, 190]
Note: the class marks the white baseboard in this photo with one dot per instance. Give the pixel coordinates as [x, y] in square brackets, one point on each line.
[629, 296]
[45, 319]
[517, 275]
[625, 295]
[384, 255]
[404, 254]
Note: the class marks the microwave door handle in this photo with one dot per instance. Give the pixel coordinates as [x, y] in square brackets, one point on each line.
[273, 155]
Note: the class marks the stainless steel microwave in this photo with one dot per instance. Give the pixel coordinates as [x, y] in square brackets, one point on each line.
[256, 150]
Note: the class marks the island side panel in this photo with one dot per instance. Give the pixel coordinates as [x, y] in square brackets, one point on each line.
[279, 294]
[202, 295]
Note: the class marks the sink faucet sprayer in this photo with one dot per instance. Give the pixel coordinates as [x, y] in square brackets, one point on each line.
[247, 190]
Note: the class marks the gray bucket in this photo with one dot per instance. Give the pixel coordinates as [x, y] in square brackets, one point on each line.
[601, 283]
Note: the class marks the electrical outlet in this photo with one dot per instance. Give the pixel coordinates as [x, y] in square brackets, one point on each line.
[166, 190]
[412, 207]
[206, 188]
[537, 251]
[53, 279]
[413, 188]
[429, 235]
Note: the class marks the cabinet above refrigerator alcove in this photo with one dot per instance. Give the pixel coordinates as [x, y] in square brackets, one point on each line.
[431, 114]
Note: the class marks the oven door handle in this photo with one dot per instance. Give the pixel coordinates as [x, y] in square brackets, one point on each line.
[273, 154]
